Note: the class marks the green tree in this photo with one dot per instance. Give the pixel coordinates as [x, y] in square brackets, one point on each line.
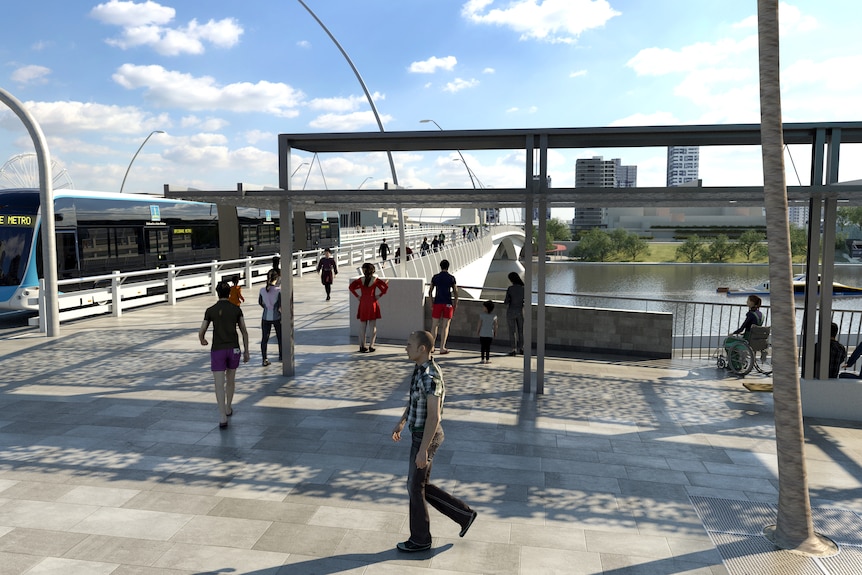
[633, 247]
[850, 216]
[751, 246]
[794, 528]
[595, 245]
[720, 249]
[798, 241]
[691, 249]
[559, 230]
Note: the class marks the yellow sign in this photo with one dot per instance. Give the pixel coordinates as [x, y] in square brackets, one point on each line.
[16, 220]
[182, 231]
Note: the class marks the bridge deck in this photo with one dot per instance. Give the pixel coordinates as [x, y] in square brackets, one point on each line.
[111, 460]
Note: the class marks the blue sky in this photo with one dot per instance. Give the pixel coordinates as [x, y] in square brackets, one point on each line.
[222, 79]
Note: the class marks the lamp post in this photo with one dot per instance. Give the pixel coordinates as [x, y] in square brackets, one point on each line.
[469, 171]
[297, 168]
[363, 182]
[141, 147]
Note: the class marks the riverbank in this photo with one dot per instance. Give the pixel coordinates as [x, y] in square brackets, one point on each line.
[665, 252]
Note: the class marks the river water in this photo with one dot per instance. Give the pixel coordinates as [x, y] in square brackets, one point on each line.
[680, 282]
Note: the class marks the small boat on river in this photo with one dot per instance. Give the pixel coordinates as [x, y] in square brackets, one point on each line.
[838, 289]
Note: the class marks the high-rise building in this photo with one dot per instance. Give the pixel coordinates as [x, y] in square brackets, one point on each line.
[683, 163]
[597, 172]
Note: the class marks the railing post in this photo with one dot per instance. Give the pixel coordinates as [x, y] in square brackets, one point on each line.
[299, 264]
[43, 324]
[171, 281]
[248, 264]
[116, 297]
[214, 267]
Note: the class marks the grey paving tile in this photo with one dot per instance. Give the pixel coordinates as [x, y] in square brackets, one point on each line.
[309, 540]
[39, 542]
[558, 561]
[51, 565]
[221, 531]
[136, 523]
[124, 550]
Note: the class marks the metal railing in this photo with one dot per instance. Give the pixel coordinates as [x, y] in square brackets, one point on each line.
[699, 328]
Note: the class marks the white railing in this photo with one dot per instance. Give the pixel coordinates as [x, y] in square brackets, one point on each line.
[118, 291]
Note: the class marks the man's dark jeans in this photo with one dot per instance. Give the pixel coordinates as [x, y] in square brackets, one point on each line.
[421, 491]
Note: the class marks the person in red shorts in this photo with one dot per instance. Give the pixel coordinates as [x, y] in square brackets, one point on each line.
[366, 289]
[225, 353]
[445, 297]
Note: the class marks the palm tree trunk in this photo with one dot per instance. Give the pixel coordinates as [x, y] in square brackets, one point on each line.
[794, 529]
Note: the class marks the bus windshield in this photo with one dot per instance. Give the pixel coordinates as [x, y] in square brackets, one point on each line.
[15, 243]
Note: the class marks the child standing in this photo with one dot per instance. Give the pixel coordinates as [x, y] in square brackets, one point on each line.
[486, 330]
[235, 292]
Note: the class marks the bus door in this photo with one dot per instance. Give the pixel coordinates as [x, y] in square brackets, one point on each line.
[68, 262]
[157, 242]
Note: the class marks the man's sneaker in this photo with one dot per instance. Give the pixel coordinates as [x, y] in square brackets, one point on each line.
[411, 547]
[469, 523]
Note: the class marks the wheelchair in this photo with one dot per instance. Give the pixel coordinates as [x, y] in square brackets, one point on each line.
[741, 356]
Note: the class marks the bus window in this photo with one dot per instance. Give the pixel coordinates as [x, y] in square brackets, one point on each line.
[157, 243]
[67, 254]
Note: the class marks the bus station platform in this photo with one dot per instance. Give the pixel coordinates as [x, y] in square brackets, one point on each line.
[112, 460]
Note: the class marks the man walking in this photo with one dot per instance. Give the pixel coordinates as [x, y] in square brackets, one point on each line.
[445, 294]
[224, 354]
[383, 250]
[422, 416]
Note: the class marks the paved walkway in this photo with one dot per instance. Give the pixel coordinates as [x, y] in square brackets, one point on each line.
[111, 460]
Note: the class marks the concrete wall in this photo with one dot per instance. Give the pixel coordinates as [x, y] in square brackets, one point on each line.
[400, 310]
[832, 398]
[579, 329]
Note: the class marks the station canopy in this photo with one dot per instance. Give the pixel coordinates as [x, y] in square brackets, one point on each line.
[824, 140]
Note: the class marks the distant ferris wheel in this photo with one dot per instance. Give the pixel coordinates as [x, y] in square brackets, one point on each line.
[22, 171]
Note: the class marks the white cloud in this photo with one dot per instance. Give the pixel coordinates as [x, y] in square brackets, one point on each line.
[255, 136]
[347, 122]
[578, 74]
[548, 20]
[661, 61]
[129, 14]
[175, 89]
[32, 74]
[489, 71]
[342, 105]
[144, 25]
[432, 64]
[76, 117]
[459, 84]
[305, 44]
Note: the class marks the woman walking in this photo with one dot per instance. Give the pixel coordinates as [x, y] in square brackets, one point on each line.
[327, 267]
[366, 289]
[270, 300]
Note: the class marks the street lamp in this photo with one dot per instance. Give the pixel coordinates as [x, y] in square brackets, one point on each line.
[297, 168]
[469, 171]
[363, 182]
[144, 143]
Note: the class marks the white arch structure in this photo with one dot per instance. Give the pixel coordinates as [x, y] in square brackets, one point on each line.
[51, 321]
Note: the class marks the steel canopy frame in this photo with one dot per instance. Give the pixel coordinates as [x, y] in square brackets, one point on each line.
[823, 138]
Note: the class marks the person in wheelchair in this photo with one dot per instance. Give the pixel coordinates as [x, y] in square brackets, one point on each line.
[753, 317]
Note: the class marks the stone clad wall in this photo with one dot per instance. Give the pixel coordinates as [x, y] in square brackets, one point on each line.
[580, 329]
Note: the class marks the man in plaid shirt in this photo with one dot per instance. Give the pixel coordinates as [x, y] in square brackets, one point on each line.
[422, 416]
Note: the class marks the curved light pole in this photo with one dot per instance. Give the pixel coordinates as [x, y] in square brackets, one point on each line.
[141, 147]
[297, 168]
[361, 83]
[363, 182]
[51, 319]
[469, 171]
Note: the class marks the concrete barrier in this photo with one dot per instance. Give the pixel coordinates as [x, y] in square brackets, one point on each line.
[832, 398]
[578, 329]
[400, 310]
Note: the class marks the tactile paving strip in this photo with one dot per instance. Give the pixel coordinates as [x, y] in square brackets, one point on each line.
[736, 529]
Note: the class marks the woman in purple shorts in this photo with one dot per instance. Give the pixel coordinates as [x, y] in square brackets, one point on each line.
[225, 351]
